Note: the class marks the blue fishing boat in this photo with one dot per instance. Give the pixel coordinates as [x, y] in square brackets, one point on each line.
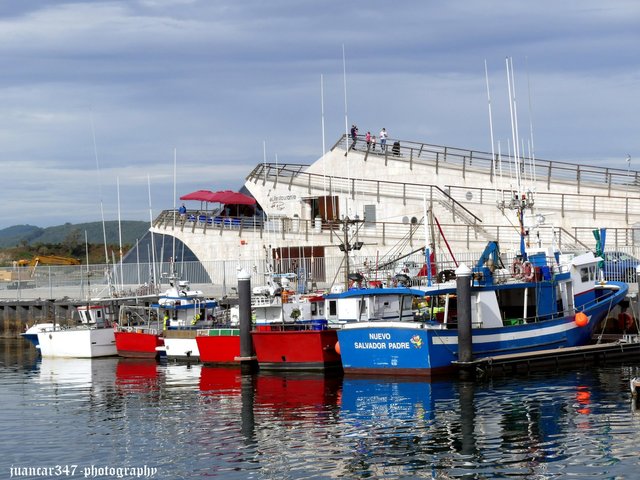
[534, 305]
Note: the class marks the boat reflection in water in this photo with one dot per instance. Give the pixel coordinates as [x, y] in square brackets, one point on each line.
[406, 426]
[370, 398]
[283, 392]
[138, 375]
[217, 421]
[78, 373]
[220, 380]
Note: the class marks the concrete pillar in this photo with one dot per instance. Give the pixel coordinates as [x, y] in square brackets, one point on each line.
[463, 286]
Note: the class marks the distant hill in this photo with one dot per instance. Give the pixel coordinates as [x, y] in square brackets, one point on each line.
[31, 235]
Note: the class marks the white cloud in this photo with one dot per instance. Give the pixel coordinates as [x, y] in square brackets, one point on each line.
[216, 79]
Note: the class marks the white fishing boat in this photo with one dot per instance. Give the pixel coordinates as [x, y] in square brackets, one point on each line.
[92, 337]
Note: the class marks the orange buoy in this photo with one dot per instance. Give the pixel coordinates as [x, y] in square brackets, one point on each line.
[581, 319]
[337, 348]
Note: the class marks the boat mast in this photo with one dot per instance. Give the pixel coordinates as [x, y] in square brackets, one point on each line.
[152, 258]
[346, 129]
[514, 123]
[521, 200]
[493, 153]
[324, 160]
[104, 231]
[120, 236]
[175, 196]
[427, 242]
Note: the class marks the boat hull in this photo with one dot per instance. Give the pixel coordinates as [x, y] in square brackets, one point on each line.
[410, 348]
[219, 346]
[78, 343]
[180, 344]
[32, 332]
[296, 349]
[31, 337]
[137, 344]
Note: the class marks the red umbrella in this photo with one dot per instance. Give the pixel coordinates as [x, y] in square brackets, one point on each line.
[229, 197]
[201, 195]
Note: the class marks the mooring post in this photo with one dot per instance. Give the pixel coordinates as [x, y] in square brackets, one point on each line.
[463, 286]
[247, 359]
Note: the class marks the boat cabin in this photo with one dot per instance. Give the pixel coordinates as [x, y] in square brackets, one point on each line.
[96, 315]
[371, 304]
[514, 301]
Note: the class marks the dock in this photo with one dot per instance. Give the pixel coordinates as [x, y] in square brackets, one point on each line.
[625, 348]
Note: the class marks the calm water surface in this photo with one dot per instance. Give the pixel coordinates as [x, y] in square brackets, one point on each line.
[200, 422]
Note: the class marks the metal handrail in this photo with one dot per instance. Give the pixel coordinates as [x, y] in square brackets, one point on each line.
[541, 169]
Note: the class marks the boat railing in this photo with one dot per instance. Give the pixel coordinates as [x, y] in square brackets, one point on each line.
[218, 331]
[138, 318]
[264, 301]
[290, 326]
[606, 296]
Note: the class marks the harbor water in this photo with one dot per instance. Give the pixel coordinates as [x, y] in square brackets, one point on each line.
[117, 418]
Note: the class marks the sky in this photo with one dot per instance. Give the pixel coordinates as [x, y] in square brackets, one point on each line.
[107, 107]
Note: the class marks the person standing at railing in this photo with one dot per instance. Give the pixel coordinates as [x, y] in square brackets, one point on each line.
[354, 136]
[373, 143]
[367, 138]
[383, 139]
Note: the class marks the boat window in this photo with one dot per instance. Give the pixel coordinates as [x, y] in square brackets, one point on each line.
[584, 274]
[588, 273]
[98, 313]
[333, 311]
[407, 303]
[362, 309]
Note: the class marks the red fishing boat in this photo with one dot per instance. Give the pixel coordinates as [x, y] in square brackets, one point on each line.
[300, 340]
[139, 332]
[146, 332]
[218, 345]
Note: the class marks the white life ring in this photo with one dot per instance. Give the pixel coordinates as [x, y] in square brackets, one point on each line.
[516, 268]
[528, 272]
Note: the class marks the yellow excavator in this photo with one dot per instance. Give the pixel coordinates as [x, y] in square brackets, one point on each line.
[46, 260]
[22, 274]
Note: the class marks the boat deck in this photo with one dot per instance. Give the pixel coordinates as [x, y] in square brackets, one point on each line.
[557, 357]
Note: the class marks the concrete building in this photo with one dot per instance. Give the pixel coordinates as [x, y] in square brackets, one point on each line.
[375, 203]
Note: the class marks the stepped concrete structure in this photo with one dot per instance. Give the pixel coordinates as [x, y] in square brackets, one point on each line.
[374, 202]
